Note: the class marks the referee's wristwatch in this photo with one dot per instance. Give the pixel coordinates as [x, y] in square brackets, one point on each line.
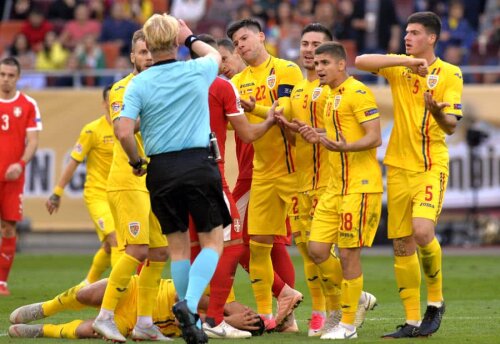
[136, 165]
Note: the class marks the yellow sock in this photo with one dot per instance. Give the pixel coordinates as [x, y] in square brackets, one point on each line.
[351, 291]
[116, 253]
[407, 271]
[100, 263]
[262, 276]
[149, 283]
[64, 301]
[67, 331]
[312, 275]
[430, 256]
[331, 282]
[118, 281]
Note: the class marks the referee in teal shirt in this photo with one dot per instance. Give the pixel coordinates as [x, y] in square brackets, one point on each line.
[171, 100]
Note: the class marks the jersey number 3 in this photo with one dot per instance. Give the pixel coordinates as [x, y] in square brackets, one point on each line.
[5, 122]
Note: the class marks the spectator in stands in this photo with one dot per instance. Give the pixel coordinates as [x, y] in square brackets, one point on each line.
[21, 9]
[376, 26]
[97, 9]
[490, 39]
[304, 12]
[436, 6]
[75, 30]
[21, 50]
[91, 57]
[456, 31]
[191, 11]
[52, 56]
[118, 28]
[289, 46]
[324, 13]
[343, 22]
[35, 28]
[140, 10]
[62, 10]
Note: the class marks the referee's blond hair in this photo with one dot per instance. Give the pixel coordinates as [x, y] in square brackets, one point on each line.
[161, 31]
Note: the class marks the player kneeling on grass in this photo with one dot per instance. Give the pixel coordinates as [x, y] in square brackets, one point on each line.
[80, 296]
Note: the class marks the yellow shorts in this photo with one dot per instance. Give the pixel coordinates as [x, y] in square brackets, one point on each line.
[348, 221]
[100, 213]
[135, 222]
[306, 204]
[413, 194]
[269, 205]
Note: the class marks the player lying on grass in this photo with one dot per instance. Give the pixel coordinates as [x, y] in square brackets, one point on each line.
[80, 296]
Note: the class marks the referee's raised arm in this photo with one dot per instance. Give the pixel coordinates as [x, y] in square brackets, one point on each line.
[193, 43]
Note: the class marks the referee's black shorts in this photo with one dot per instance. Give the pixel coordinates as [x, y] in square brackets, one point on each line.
[186, 182]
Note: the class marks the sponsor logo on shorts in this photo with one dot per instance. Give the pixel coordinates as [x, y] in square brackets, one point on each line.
[428, 205]
[100, 223]
[134, 228]
[346, 235]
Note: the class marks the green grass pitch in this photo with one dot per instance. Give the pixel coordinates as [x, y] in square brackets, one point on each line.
[471, 289]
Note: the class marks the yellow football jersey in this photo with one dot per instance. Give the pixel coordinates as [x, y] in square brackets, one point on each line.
[417, 142]
[272, 80]
[347, 106]
[163, 316]
[120, 174]
[307, 105]
[95, 142]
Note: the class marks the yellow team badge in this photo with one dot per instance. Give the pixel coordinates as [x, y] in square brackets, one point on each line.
[432, 81]
[271, 81]
[336, 101]
[134, 228]
[316, 93]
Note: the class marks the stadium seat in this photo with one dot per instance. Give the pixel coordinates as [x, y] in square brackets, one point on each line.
[8, 30]
[111, 52]
[160, 6]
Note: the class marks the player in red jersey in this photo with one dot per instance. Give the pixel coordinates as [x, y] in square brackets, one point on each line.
[19, 125]
[224, 104]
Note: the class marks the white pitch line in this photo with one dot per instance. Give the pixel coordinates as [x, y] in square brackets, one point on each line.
[445, 317]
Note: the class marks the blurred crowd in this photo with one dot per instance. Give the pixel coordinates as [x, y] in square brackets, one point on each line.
[81, 34]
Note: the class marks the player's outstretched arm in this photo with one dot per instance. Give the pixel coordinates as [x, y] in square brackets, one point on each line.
[374, 62]
[249, 132]
[54, 201]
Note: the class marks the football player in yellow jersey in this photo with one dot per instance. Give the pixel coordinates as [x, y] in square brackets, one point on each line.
[307, 105]
[96, 144]
[81, 296]
[426, 93]
[349, 210]
[264, 80]
[137, 229]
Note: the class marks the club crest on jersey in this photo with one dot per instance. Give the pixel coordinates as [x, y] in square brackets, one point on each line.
[271, 81]
[18, 111]
[432, 80]
[336, 101]
[134, 228]
[237, 225]
[116, 106]
[316, 93]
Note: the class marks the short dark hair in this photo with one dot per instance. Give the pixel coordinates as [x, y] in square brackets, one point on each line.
[334, 49]
[138, 36]
[226, 43]
[105, 91]
[11, 61]
[247, 22]
[317, 27]
[206, 38]
[429, 20]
